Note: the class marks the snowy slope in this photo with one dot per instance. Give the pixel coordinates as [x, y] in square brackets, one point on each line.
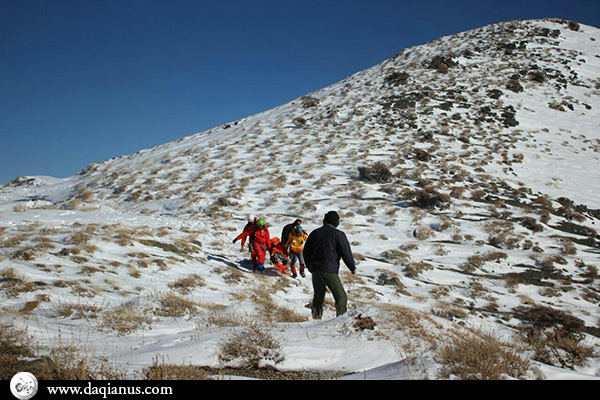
[497, 127]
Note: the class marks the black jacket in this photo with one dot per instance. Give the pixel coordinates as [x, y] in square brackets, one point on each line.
[285, 233]
[325, 247]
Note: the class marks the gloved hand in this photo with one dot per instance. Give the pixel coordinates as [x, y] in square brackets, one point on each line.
[234, 240]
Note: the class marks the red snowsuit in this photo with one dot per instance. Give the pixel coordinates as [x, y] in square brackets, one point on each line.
[260, 244]
[248, 231]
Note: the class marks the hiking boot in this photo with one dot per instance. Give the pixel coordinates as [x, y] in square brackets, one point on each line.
[302, 274]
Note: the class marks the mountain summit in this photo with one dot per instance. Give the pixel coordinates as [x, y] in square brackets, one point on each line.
[466, 174]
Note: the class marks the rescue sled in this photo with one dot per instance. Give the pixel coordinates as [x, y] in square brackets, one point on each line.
[279, 256]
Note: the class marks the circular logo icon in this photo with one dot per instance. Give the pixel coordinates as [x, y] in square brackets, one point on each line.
[24, 385]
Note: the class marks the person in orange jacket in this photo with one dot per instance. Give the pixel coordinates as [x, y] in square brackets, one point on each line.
[261, 243]
[248, 231]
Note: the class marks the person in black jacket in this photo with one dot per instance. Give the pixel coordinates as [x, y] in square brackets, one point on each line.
[285, 233]
[322, 253]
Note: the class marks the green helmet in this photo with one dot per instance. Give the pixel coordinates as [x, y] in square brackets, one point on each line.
[260, 222]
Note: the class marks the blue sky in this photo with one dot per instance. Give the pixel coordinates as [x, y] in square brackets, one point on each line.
[84, 81]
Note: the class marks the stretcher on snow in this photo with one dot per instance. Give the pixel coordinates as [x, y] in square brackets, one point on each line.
[279, 256]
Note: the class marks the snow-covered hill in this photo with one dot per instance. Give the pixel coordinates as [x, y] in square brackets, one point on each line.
[466, 172]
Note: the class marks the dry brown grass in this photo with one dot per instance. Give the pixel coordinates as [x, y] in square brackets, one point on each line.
[216, 319]
[423, 232]
[448, 311]
[555, 336]
[15, 343]
[124, 319]
[62, 362]
[271, 311]
[172, 305]
[187, 284]
[396, 256]
[414, 268]
[471, 355]
[77, 310]
[73, 361]
[477, 261]
[251, 347]
[179, 246]
[13, 283]
[231, 276]
[160, 370]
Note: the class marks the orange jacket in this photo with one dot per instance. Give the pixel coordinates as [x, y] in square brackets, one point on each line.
[278, 247]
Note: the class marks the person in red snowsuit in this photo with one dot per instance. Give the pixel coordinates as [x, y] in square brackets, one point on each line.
[247, 232]
[260, 244]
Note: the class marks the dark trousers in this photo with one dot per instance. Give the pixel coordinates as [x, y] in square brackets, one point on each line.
[321, 282]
